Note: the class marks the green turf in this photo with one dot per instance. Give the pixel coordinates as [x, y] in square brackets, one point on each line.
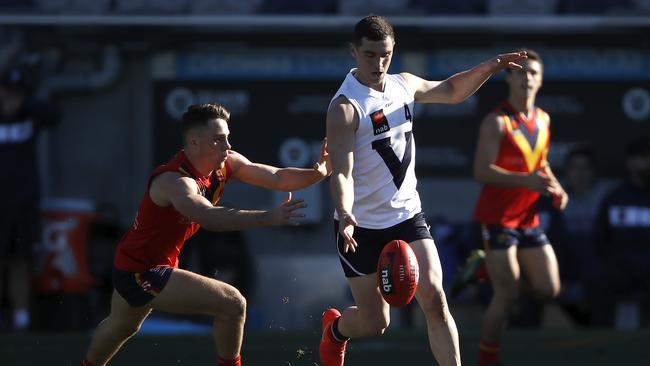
[530, 347]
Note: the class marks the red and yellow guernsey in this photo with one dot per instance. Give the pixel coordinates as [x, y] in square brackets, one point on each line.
[523, 148]
[158, 233]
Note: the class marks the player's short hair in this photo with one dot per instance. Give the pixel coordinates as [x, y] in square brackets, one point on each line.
[374, 28]
[532, 55]
[198, 115]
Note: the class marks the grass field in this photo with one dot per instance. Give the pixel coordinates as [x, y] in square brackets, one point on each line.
[521, 347]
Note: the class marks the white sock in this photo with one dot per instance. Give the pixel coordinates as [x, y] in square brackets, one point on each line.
[21, 319]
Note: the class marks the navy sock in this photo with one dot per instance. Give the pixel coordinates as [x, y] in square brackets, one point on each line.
[336, 334]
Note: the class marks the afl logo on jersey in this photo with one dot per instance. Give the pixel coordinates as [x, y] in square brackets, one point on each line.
[379, 122]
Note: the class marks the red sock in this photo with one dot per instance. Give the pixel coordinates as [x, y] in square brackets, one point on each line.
[482, 273]
[85, 362]
[234, 362]
[489, 353]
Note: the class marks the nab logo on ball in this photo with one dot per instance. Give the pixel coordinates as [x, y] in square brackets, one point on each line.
[397, 273]
[386, 283]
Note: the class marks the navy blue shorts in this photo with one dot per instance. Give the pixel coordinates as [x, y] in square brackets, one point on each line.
[138, 288]
[499, 237]
[371, 242]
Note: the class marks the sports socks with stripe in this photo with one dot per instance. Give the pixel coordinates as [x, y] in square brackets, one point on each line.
[489, 353]
[336, 334]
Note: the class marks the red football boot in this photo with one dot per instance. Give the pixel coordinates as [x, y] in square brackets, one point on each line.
[332, 352]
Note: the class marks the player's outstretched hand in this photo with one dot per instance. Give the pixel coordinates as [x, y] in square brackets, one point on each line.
[505, 60]
[323, 165]
[347, 222]
[285, 213]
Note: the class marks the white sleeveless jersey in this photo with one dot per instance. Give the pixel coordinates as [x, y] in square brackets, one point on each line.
[384, 152]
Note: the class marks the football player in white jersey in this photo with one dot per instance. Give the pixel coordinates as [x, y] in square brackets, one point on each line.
[373, 187]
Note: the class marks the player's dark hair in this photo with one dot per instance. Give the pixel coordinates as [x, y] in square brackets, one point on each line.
[374, 28]
[532, 55]
[198, 115]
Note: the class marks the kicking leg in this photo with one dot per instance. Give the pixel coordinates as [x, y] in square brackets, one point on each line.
[371, 315]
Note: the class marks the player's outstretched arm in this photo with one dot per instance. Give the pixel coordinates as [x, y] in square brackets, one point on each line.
[182, 193]
[459, 87]
[342, 122]
[487, 149]
[279, 179]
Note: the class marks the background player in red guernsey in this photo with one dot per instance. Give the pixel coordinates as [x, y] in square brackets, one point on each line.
[182, 196]
[511, 163]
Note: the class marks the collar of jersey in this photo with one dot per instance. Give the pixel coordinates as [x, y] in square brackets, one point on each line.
[192, 170]
[369, 90]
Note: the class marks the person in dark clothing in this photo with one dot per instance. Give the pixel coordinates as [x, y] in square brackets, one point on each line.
[22, 118]
[623, 243]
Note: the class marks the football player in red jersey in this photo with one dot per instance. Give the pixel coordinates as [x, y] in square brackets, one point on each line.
[182, 196]
[511, 164]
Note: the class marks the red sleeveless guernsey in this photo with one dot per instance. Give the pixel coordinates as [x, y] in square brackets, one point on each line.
[523, 148]
[158, 233]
